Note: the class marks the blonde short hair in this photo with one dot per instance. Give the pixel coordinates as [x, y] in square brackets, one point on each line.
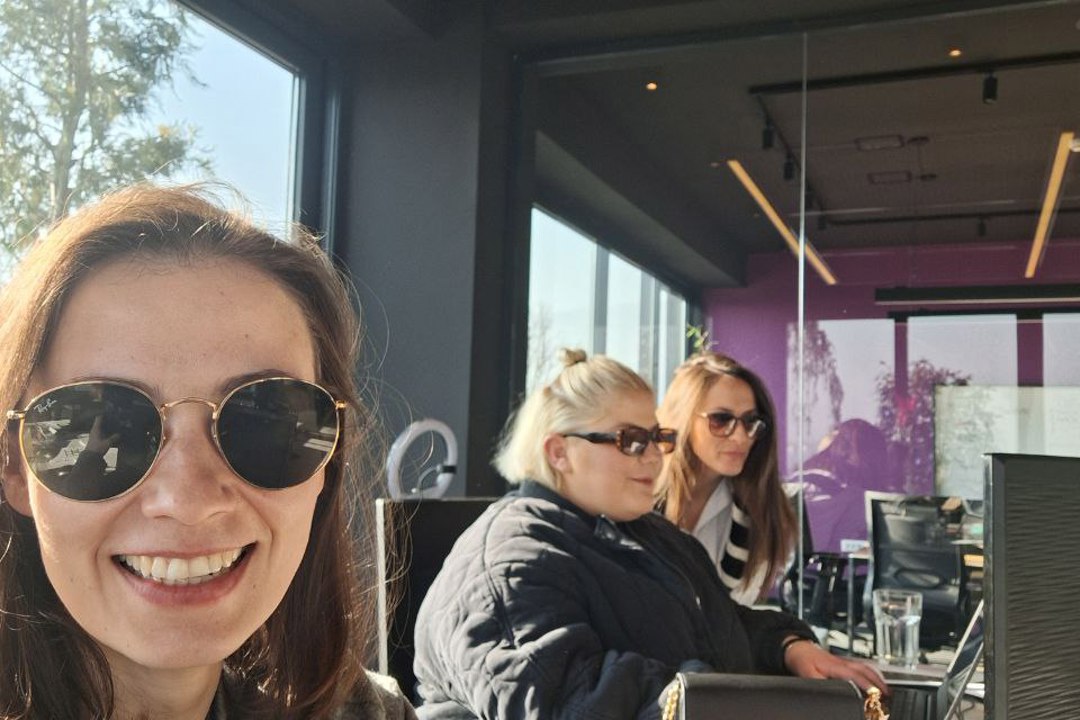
[573, 399]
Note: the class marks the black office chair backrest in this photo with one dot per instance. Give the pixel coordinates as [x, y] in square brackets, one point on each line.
[414, 538]
[912, 549]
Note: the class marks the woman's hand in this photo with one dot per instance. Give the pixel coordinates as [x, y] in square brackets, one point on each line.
[807, 659]
[97, 442]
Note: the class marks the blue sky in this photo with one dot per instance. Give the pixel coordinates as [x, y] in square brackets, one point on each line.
[244, 115]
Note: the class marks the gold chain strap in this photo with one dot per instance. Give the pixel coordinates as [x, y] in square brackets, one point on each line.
[872, 707]
[671, 706]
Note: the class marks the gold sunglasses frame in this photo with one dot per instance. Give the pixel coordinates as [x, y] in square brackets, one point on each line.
[215, 412]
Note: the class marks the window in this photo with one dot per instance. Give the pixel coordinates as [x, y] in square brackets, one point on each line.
[157, 93]
[243, 107]
[583, 295]
[848, 366]
[1061, 348]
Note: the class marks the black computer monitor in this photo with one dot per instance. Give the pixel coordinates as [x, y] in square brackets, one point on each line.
[1032, 586]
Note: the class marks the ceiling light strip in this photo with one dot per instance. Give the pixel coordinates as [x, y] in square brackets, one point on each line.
[1050, 201]
[1001, 295]
[812, 256]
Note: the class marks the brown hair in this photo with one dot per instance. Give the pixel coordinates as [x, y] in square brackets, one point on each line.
[757, 488]
[573, 399]
[309, 654]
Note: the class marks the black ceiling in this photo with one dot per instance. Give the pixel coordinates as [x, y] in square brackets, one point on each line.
[952, 169]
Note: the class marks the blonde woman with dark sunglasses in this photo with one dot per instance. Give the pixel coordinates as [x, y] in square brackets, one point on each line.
[181, 460]
[721, 483]
[570, 597]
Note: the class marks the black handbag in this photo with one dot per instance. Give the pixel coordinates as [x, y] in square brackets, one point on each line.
[720, 696]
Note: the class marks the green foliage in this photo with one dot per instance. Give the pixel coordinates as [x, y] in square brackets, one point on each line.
[820, 376]
[77, 81]
[820, 368]
[906, 416]
[699, 338]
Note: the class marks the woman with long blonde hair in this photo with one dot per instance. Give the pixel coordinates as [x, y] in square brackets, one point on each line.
[722, 483]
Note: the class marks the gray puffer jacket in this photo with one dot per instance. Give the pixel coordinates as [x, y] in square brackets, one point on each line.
[543, 611]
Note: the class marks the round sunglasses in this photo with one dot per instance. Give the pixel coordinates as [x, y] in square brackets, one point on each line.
[632, 441]
[723, 423]
[97, 440]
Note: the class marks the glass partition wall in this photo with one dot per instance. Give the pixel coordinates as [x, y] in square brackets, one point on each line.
[930, 167]
[664, 160]
[943, 195]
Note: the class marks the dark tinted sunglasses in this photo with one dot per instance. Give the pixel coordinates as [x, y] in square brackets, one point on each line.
[632, 441]
[723, 423]
[97, 440]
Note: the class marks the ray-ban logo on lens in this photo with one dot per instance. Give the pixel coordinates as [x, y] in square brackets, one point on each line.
[44, 406]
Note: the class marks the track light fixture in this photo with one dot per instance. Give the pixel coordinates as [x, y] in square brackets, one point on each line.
[768, 135]
[990, 89]
[980, 229]
[789, 168]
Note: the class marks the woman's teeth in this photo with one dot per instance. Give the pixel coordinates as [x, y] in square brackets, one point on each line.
[181, 571]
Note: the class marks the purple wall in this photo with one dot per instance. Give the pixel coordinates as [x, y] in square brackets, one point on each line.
[751, 323]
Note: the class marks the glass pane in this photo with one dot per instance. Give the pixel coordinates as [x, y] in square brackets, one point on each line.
[241, 108]
[926, 175]
[562, 276]
[975, 349]
[581, 295]
[976, 353]
[1061, 349]
[676, 157]
[624, 312]
[848, 369]
[671, 337]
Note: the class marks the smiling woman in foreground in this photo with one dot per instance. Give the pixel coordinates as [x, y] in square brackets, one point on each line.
[178, 461]
[570, 598]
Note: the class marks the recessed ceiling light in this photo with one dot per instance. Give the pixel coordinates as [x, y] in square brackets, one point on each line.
[879, 142]
[651, 86]
[889, 177]
[955, 52]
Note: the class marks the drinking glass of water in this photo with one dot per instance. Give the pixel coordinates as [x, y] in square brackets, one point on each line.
[897, 614]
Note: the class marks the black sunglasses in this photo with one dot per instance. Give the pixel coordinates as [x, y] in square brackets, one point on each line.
[97, 440]
[632, 441]
[723, 423]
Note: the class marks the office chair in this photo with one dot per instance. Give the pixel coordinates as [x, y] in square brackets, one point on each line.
[824, 584]
[911, 549]
[414, 538]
